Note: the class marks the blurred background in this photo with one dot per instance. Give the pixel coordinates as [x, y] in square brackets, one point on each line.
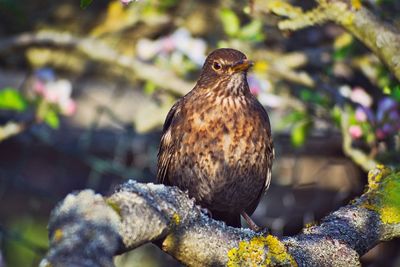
[85, 88]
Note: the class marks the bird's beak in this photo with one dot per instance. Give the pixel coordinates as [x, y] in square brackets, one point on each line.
[242, 65]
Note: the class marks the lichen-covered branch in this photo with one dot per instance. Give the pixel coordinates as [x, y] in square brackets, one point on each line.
[382, 38]
[88, 230]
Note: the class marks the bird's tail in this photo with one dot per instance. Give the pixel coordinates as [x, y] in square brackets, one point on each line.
[230, 219]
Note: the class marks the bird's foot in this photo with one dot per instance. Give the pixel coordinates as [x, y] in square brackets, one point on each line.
[253, 226]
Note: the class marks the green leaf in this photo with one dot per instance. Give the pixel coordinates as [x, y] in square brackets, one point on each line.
[51, 119]
[336, 114]
[396, 93]
[352, 117]
[387, 90]
[12, 99]
[85, 3]
[384, 77]
[25, 230]
[293, 117]
[299, 133]
[252, 31]
[306, 95]
[343, 52]
[149, 87]
[230, 22]
[311, 96]
[167, 3]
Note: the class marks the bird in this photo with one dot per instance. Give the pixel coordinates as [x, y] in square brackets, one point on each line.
[216, 141]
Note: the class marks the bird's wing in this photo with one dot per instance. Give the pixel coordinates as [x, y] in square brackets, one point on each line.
[167, 144]
[270, 159]
[270, 155]
[270, 152]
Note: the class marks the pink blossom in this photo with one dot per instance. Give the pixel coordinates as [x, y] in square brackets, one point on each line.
[168, 44]
[126, 2]
[360, 114]
[69, 108]
[39, 87]
[51, 96]
[54, 91]
[355, 131]
[358, 95]
[180, 41]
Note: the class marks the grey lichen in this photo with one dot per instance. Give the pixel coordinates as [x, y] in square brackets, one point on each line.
[82, 226]
[85, 230]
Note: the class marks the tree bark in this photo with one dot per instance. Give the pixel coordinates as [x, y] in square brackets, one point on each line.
[86, 229]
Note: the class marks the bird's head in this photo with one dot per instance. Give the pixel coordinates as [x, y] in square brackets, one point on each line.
[225, 68]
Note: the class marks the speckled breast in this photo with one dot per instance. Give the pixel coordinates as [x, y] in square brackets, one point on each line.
[222, 152]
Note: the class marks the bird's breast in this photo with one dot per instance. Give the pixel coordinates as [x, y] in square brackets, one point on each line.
[223, 146]
[222, 129]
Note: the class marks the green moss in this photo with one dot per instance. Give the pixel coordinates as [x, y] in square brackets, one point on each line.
[176, 219]
[390, 202]
[384, 194]
[58, 235]
[375, 176]
[252, 253]
[114, 206]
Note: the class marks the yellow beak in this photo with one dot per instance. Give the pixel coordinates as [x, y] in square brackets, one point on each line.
[242, 65]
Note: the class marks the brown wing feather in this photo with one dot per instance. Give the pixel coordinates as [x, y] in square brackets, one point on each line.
[270, 154]
[270, 148]
[166, 145]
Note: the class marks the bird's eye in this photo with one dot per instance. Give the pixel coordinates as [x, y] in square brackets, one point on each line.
[216, 65]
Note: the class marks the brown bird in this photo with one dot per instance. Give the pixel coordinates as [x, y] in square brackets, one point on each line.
[217, 142]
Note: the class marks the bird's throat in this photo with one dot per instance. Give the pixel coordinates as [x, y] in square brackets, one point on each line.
[237, 84]
[233, 86]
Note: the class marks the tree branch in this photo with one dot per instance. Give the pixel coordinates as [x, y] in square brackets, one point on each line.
[382, 38]
[10, 129]
[98, 50]
[88, 230]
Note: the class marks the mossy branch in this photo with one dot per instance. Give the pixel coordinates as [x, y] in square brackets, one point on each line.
[87, 229]
[382, 38]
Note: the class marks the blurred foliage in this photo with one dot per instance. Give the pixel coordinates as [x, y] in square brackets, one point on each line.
[319, 81]
[46, 97]
[176, 36]
[24, 241]
[301, 123]
[85, 3]
[11, 99]
[252, 32]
